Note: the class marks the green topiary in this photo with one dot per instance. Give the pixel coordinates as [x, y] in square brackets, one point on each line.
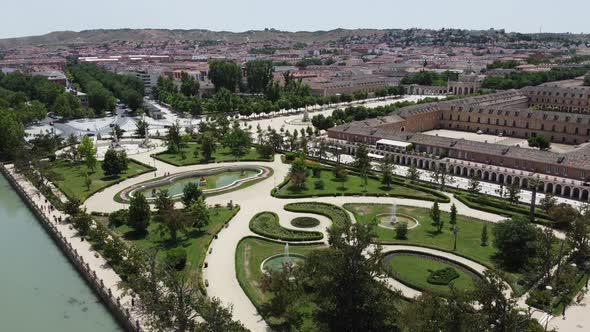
[176, 258]
[443, 276]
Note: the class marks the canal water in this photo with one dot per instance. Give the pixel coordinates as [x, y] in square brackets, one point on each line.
[39, 289]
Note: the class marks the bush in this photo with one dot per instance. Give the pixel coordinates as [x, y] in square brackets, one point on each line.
[317, 172]
[401, 231]
[305, 222]
[267, 224]
[443, 276]
[176, 258]
[289, 156]
[319, 184]
[118, 218]
[539, 299]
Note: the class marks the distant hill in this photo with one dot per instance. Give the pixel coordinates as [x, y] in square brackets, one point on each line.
[138, 35]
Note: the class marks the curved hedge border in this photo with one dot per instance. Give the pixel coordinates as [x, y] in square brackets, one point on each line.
[267, 224]
[338, 215]
[305, 222]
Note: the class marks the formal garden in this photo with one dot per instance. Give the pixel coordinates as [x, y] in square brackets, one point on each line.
[187, 155]
[267, 224]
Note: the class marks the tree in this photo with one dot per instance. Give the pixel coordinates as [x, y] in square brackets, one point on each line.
[142, 127]
[237, 140]
[259, 75]
[545, 255]
[513, 193]
[345, 281]
[401, 230]
[386, 169]
[497, 309]
[139, 213]
[515, 240]
[453, 215]
[413, 173]
[534, 184]
[563, 214]
[540, 142]
[474, 184]
[11, 136]
[199, 213]
[577, 237]
[88, 152]
[118, 218]
[188, 85]
[436, 218]
[174, 139]
[547, 202]
[442, 176]
[298, 172]
[484, 235]
[114, 162]
[224, 74]
[190, 193]
[208, 145]
[362, 163]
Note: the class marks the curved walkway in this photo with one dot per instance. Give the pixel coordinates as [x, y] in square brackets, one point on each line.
[221, 272]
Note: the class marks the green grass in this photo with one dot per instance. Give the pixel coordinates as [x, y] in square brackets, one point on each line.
[221, 155]
[415, 270]
[70, 177]
[353, 185]
[250, 254]
[194, 241]
[267, 224]
[468, 238]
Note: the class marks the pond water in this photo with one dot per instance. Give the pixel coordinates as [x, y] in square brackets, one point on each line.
[211, 182]
[40, 290]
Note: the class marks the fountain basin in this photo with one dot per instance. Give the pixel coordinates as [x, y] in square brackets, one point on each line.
[275, 263]
[384, 220]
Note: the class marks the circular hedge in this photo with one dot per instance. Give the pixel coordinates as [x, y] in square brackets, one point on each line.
[305, 222]
[267, 224]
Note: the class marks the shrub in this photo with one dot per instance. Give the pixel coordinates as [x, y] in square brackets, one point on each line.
[319, 184]
[443, 276]
[539, 299]
[305, 222]
[289, 156]
[176, 258]
[118, 218]
[401, 230]
[317, 172]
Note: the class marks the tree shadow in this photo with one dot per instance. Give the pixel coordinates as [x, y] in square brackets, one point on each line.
[135, 235]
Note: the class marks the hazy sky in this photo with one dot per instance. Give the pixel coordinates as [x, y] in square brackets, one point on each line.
[34, 17]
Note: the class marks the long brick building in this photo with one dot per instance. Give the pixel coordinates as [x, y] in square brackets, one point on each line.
[513, 113]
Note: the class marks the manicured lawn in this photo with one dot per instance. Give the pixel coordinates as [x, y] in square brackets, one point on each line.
[222, 154]
[250, 254]
[354, 185]
[414, 271]
[194, 241]
[267, 224]
[70, 177]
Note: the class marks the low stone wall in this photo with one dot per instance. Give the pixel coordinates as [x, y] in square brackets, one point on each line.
[114, 304]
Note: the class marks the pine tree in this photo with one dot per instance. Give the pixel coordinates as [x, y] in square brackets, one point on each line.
[484, 235]
[435, 215]
[453, 215]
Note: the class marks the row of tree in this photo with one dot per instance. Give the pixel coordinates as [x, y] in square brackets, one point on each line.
[521, 79]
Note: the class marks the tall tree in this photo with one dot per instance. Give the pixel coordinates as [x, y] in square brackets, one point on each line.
[515, 240]
[474, 184]
[190, 193]
[436, 217]
[199, 214]
[11, 136]
[442, 176]
[224, 74]
[88, 152]
[363, 163]
[386, 168]
[139, 213]
[453, 215]
[513, 193]
[188, 85]
[208, 145]
[413, 173]
[237, 140]
[298, 172]
[259, 75]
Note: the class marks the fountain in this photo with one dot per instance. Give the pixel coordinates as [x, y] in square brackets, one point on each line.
[286, 252]
[393, 220]
[282, 262]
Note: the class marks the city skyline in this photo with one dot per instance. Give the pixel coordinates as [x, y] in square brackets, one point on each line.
[525, 16]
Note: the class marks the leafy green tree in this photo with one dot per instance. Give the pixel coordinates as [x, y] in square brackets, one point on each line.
[436, 217]
[188, 85]
[515, 240]
[401, 230]
[498, 310]
[547, 202]
[577, 237]
[173, 139]
[190, 193]
[224, 74]
[540, 142]
[362, 162]
[114, 162]
[386, 168]
[87, 181]
[88, 152]
[298, 172]
[453, 215]
[139, 213]
[237, 140]
[484, 235]
[142, 127]
[11, 136]
[118, 218]
[208, 145]
[259, 75]
[545, 253]
[513, 193]
[474, 186]
[199, 213]
[563, 214]
[441, 175]
[413, 173]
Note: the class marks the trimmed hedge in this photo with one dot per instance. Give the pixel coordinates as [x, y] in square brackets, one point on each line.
[267, 224]
[305, 222]
[493, 205]
[443, 276]
[338, 215]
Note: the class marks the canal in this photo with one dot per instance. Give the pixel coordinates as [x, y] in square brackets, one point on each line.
[39, 289]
